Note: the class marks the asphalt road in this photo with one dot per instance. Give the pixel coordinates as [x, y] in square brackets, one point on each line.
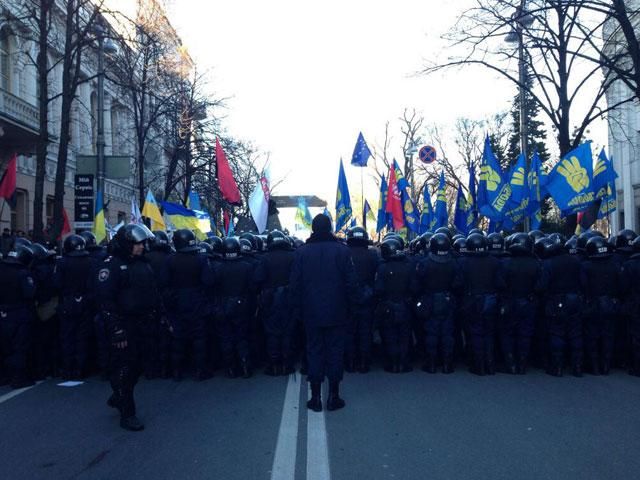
[407, 426]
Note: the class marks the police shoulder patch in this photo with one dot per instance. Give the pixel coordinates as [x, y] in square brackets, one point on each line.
[103, 274]
[30, 280]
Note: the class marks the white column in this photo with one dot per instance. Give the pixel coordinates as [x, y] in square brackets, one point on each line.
[108, 148]
[628, 159]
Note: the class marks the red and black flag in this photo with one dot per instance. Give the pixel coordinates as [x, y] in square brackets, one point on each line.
[8, 182]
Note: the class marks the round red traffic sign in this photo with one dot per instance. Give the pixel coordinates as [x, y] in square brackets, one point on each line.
[427, 154]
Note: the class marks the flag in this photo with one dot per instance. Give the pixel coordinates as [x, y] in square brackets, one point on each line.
[150, 210]
[226, 182]
[519, 201]
[8, 182]
[66, 225]
[136, 217]
[303, 215]
[394, 202]
[441, 215]
[183, 217]
[231, 231]
[427, 219]
[367, 213]
[99, 229]
[461, 213]
[534, 179]
[493, 191]
[343, 200]
[383, 216]
[328, 214]
[472, 209]
[604, 184]
[570, 182]
[353, 222]
[259, 202]
[361, 152]
[409, 211]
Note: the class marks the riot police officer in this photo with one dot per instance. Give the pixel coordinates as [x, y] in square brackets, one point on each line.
[275, 305]
[360, 327]
[516, 324]
[74, 279]
[393, 282]
[631, 280]
[127, 296]
[601, 283]
[482, 281]
[437, 280]
[17, 290]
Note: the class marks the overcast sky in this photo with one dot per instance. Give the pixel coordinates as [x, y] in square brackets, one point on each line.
[304, 77]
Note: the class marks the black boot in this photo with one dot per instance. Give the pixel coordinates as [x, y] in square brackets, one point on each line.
[489, 366]
[477, 367]
[521, 366]
[245, 368]
[271, 370]
[577, 368]
[606, 366]
[447, 365]
[595, 365]
[315, 402]
[555, 367]
[350, 365]
[303, 366]
[177, 375]
[334, 402]
[510, 364]
[112, 402]
[430, 365]
[365, 365]
[132, 424]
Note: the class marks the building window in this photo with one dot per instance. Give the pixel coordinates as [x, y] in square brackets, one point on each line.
[6, 41]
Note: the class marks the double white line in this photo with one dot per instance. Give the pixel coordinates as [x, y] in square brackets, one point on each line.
[284, 461]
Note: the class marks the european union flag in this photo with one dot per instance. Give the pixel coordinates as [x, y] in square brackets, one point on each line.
[571, 181]
[535, 192]
[493, 191]
[343, 201]
[460, 215]
[383, 216]
[604, 184]
[519, 201]
[361, 152]
[442, 216]
[427, 219]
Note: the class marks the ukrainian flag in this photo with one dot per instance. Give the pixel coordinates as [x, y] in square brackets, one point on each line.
[181, 217]
[99, 228]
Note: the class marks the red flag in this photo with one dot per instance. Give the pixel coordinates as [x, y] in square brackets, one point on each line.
[66, 226]
[226, 182]
[8, 182]
[394, 203]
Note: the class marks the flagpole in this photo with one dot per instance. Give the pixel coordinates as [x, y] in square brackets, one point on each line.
[362, 193]
[2, 209]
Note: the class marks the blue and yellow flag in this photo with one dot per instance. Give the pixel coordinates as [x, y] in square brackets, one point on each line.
[367, 214]
[441, 215]
[427, 219]
[534, 179]
[519, 201]
[571, 181]
[193, 200]
[409, 211]
[182, 217]
[383, 215]
[151, 210]
[99, 227]
[343, 200]
[303, 215]
[604, 184]
[461, 213]
[472, 207]
[493, 191]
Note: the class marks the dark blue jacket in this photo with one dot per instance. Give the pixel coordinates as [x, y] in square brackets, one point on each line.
[323, 284]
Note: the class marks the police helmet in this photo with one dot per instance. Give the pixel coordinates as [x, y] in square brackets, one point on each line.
[129, 235]
[19, 255]
[571, 245]
[495, 242]
[276, 240]
[636, 244]
[357, 236]
[423, 241]
[520, 244]
[260, 243]
[216, 244]
[460, 245]
[21, 242]
[41, 253]
[252, 239]
[90, 240]
[185, 241]
[624, 240]
[231, 247]
[584, 238]
[440, 244]
[206, 249]
[476, 243]
[536, 235]
[444, 230]
[476, 230]
[397, 237]
[598, 247]
[160, 241]
[558, 238]
[545, 247]
[245, 246]
[391, 249]
[74, 246]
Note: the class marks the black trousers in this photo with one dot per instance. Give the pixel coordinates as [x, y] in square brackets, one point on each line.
[124, 369]
[325, 352]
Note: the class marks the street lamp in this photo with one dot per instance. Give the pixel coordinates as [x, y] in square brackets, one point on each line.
[523, 20]
[408, 155]
[104, 45]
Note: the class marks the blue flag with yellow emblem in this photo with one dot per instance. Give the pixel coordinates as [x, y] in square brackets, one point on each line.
[472, 207]
[343, 200]
[427, 218]
[493, 191]
[519, 201]
[383, 215]
[534, 178]
[460, 214]
[570, 183]
[361, 152]
[442, 216]
[604, 184]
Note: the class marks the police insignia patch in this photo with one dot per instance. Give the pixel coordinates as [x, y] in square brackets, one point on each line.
[103, 274]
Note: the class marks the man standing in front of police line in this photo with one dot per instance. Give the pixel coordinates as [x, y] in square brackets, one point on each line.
[323, 287]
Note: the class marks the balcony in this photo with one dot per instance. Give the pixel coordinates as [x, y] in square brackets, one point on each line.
[19, 123]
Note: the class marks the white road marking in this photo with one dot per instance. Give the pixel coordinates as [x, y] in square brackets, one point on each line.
[317, 447]
[284, 461]
[15, 393]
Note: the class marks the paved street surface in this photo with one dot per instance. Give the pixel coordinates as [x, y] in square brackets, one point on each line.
[409, 426]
